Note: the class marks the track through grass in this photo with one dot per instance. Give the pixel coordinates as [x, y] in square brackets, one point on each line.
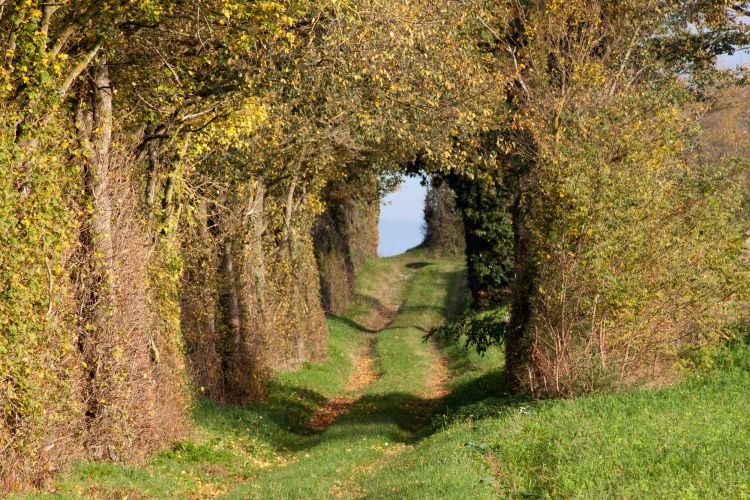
[388, 411]
[425, 420]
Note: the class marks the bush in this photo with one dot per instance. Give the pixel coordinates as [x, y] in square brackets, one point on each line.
[444, 227]
[636, 241]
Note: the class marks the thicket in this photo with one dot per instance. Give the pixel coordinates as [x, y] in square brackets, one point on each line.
[164, 166]
[443, 225]
[485, 202]
[627, 238]
[345, 238]
[643, 259]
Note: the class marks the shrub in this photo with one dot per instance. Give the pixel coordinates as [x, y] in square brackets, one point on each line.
[444, 227]
[637, 243]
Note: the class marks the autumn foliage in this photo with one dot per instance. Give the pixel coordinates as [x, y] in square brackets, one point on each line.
[186, 186]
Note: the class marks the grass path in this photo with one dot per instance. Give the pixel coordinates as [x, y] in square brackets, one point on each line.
[390, 416]
[396, 382]
[363, 360]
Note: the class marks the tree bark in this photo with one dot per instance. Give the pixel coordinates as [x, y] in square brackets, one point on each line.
[289, 213]
[517, 348]
[253, 294]
[244, 302]
[98, 180]
[94, 123]
[232, 303]
[253, 248]
[95, 128]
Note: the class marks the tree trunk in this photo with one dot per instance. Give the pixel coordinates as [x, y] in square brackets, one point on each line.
[517, 340]
[94, 123]
[253, 293]
[253, 248]
[244, 303]
[97, 178]
[232, 342]
[289, 213]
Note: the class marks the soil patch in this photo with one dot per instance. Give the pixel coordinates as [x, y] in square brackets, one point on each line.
[364, 374]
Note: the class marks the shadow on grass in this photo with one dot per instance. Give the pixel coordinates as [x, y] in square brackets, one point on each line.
[453, 305]
[406, 417]
[281, 420]
[367, 303]
[351, 323]
[418, 265]
[484, 397]
[420, 309]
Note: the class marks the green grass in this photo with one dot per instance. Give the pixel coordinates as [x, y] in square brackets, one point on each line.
[249, 451]
[382, 423]
[691, 440]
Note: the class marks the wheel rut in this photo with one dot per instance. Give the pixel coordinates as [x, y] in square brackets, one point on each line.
[395, 384]
[364, 374]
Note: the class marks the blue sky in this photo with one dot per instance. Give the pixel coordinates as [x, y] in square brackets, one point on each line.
[407, 203]
[402, 218]
[738, 59]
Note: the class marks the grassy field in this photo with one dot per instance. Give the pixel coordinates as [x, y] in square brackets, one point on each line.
[437, 422]
[266, 450]
[688, 441]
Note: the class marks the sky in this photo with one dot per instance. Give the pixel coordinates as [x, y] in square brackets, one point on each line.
[402, 218]
[738, 59]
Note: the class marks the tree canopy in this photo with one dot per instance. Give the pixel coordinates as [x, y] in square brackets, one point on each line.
[172, 173]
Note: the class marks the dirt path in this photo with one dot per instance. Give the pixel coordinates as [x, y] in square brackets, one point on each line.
[395, 385]
[363, 360]
[439, 376]
[364, 374]
[379, 411]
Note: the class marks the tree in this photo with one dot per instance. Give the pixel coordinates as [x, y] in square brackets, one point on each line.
[590, 65]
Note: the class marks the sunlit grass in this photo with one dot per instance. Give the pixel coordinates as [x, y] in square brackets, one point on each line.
[241, 446]
[688, 441]
[382, 423]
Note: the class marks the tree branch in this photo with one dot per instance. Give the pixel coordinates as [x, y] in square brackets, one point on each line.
[78, 69]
